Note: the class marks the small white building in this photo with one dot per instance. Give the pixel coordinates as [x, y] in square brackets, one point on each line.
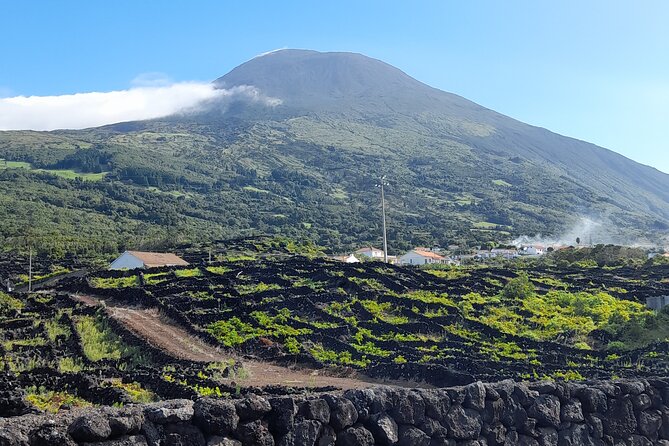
[423, 257]
[504, 253]
[532, 250]
[145, 260]
[351, 258]
[370, 252]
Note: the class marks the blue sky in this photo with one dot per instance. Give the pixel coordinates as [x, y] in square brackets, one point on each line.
[597, 70]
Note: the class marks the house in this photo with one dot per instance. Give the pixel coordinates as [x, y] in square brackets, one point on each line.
[532, 250]
[421, 256]
[144, 260]
[657, 302]
[347, 259]
[504, 253]
[370, 252]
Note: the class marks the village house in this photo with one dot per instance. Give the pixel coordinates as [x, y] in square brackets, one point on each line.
[422, 256]
[145, 260]
[370, 252]
[532, 250]
[351, 258]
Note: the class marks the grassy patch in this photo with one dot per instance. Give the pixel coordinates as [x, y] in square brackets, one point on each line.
[100, 342]
[113, 282]
[50, 401]
[192, 272]
[136, 393]
[218, 269]
[501, 183]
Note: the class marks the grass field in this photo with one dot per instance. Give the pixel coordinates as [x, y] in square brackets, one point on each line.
[65, 173]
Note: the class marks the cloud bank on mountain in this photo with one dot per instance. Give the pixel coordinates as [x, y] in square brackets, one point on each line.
[82, 110]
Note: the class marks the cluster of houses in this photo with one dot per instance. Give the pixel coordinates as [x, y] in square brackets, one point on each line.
[417, 256]
[429, 256]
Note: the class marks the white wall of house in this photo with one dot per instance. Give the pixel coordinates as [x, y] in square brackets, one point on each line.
[126, 261]
[413, 258]
[374, 254]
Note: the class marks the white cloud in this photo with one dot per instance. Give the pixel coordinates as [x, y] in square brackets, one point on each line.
[84, 110]
[271, 51]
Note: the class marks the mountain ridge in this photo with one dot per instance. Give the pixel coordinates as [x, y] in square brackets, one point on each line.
[298, 143]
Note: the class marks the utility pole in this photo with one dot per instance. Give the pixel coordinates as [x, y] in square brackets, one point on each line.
[383, 216]
[30, 269]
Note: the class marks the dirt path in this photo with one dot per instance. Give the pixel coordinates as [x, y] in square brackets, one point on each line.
[166, 335]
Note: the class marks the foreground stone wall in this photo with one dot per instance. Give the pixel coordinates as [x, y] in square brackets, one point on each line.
[621, 413]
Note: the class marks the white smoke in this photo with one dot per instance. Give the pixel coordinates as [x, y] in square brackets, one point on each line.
[592, 231]
[153, 99]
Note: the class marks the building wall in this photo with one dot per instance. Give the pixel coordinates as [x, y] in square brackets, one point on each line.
[411, 258]
[126, 261]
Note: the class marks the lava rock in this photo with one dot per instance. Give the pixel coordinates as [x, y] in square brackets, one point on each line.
[215, 416]
[126, 421]
[572, 412]
[304, 433]
[131, 440]
[383, 428]
[409, 408]
[182, 434]
[355, 436]
[475, 396]
[576, 435]
[548, 436]
[649, 424]
[437, 403]
[619, 420]
[342, 412]
[172, 411]
[90, 427]
[317, 409]
[223, 441]
[253, 407]
[593, 400]
[282, 416]
[463, 424]
[49, 434]
[641, 402]
[255, 433]
[411, 436]
[546, 410]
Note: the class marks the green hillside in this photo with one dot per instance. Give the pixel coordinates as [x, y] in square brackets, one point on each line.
[458, 173]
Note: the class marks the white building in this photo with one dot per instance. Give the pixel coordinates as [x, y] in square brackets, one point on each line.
[532, 250]
[347, 259]
[144, 260]
[370, 252]
[423, 257]
[504, 253]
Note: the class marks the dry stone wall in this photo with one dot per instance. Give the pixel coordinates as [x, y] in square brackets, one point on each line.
[621, 413]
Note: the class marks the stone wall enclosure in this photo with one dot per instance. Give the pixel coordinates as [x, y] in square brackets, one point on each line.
[620, 413]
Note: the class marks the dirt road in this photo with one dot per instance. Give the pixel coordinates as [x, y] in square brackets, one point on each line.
[165, 334]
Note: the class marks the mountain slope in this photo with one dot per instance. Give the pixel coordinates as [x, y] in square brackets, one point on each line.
[296, 145]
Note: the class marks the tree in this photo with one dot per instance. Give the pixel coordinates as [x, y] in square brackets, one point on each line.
[519, 288]
[578, 240]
